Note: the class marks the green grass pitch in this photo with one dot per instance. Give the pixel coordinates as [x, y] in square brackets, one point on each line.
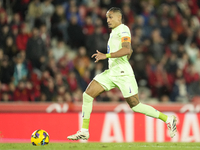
[102, 146]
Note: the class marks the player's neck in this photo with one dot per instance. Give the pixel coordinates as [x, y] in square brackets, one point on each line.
[116, 26]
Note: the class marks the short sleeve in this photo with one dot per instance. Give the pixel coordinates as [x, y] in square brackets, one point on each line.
[125, 35]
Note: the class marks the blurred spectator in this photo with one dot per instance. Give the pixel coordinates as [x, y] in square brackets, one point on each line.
[1, 55]
[51, 67]
[175, 21]
[190, 74]
[94, 13]
[186, 32]
[180, 51]
[59, 23]
[1, 6]
[44, 34]
[48, 90]
[139, 23]
[4, 34]
[186, 12]
[173, 42]
[194, 89]
[21, 93]
[73, 12]
[61, 90]
[197, 63]
[16, 21]
[5, 97]
[164, 99]
[1, 59]
[147, 11]
[138, 36]
[128, 15]
[194, 24]
[191, 49]
[44, 78]
[10, 48]
[3, 16]
[180, 90]
[165, 29]
[22, 38]
[35, 50]
[99, 23]
[65, 65]
[98, 68]
[60, 80]
[171, 64]
[34, 13]
[11, 90]
[35, 83]
[144, 91]
[150, 26]
[14, 32]
[158, 81]
[102, 15]
[106, 4]
[197, 38]
[163, 12]
[183, 61]
[6, 70]
[77, 95]
[59, 50]
[100, 41]
[47, 11]
[82, 61]
[76, 36]
[20, 6]
[157, 49]
[198, 15]
[193, 6]
[31, 91]
[88, 28]
[68, 97]
[85, 80]
[72, 81]
[139, 63]
[20, 69]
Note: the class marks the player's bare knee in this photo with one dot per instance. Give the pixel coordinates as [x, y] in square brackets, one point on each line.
[94, 89]
[132, 101]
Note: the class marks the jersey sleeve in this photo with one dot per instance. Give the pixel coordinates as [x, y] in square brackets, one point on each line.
[125, 34]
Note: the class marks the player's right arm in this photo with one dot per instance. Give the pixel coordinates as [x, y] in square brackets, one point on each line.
[125, 50]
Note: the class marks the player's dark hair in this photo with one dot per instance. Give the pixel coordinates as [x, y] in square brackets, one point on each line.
[116, 9]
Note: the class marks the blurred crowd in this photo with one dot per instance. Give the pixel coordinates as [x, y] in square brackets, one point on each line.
[46, 48]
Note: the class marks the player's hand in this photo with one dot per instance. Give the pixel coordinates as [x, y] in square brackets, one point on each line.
[99, 56]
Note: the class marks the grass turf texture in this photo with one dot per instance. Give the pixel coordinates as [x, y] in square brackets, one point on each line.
[101, 146]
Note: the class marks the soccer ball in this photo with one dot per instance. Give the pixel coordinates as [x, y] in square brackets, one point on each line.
[40, 137]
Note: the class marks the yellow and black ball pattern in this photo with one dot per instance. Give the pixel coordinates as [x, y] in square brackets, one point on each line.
[40, 138]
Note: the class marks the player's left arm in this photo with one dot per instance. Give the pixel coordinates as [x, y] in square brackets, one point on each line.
[125, 50]
[128, 45]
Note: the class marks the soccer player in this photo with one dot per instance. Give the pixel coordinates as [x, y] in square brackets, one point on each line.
[119, 74]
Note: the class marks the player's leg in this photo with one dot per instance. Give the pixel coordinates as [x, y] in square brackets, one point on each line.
[100, 83]
[93, 90]
[129, 89]
[136, 106]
